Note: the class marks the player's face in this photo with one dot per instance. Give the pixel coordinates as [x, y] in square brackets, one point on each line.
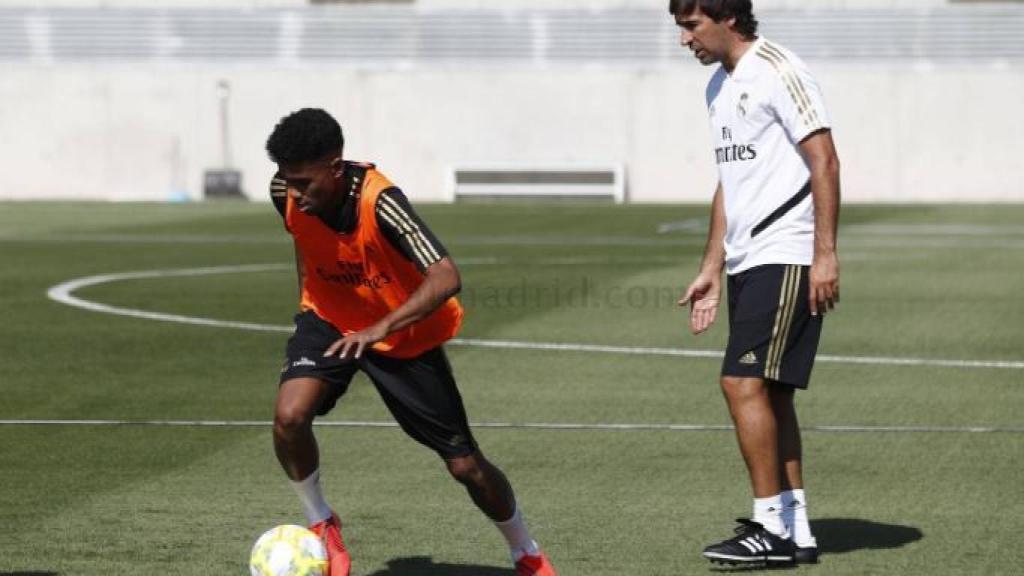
[707, 39]
[313, 186]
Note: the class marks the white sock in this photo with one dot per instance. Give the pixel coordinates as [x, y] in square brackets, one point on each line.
[794, 515]
[519, 541]
[768, 513]
[312, 497]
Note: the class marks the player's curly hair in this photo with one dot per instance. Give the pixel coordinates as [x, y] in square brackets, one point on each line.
[719, 10]
[305, 136]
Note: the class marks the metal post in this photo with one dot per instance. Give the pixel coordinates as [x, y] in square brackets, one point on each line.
[224, 94]
[224, 181]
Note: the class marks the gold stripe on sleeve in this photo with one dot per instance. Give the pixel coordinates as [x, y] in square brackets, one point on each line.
[413, 228]
[793, 84]
[801, 90]
[278, 188]
[387, 215]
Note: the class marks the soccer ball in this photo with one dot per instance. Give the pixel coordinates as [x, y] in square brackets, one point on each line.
[288, 551]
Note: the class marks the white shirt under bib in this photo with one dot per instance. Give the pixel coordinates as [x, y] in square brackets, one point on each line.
[759, 115]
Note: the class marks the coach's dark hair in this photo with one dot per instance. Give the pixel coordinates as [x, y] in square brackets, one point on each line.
[305, 136]
[719, 10]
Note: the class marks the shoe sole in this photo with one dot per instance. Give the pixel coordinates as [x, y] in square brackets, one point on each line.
[747, 560]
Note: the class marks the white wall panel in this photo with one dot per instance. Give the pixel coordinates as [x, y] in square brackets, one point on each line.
[129, 132]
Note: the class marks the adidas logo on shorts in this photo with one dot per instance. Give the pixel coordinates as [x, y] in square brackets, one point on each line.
[748, 359]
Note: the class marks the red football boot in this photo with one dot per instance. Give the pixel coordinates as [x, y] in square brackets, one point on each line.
[329, 531]
[538, 565]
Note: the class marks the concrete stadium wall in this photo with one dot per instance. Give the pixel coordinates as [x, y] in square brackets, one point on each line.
[647, 4]
[154, 3]
[128, 133]
[567, 4]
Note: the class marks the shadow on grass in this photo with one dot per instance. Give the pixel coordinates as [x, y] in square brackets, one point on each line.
[425, 566]
[30, 573]
[841, 535]
[720, 569]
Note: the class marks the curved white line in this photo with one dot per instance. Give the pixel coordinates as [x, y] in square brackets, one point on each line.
[63, 293]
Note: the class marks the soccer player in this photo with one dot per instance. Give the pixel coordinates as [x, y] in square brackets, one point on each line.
[376, 294]
[773, 229]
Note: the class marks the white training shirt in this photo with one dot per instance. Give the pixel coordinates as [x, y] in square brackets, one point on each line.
[759, 115]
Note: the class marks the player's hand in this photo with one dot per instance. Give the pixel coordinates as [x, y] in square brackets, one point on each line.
[824, 283]
[702, 295]
[357, 342]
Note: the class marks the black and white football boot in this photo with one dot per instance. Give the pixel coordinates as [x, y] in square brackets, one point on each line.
[752, 546]
[806, 555]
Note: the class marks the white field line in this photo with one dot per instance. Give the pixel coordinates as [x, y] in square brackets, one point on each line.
[63, 293]
[549, 426]
[937, 237]
[641, 351]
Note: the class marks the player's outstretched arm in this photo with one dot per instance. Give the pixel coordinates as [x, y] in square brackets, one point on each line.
[819, 151]
[441, 282]
[704, 293]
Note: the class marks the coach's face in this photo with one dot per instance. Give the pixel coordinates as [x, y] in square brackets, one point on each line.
[314, 186]
[709, 40]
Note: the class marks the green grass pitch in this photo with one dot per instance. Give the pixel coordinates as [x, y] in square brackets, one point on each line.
[910, 489]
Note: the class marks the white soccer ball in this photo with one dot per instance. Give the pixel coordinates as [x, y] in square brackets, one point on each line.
[288, 551]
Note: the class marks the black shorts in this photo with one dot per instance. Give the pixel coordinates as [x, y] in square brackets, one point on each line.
[420, 392]
[772, 334]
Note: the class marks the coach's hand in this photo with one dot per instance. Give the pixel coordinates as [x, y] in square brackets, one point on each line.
[823, 283]
[360, 341]
[702, 295]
